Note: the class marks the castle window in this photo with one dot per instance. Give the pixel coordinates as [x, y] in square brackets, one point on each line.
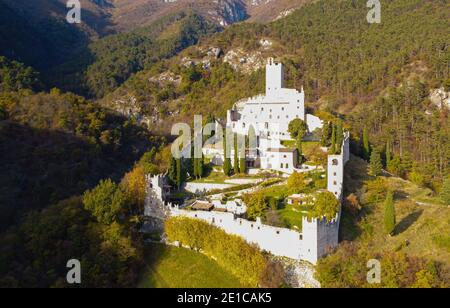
[281, 166]
[278, 232]
[243, 125]
[282, 108]
[251, 225]
[262, 109]
[278, 117]
[334, 173]
[334, 183]
[335, 162]
[195, 215]
[285, 156]
[301, 237]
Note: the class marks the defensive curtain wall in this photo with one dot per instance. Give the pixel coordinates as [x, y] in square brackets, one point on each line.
[316, 239]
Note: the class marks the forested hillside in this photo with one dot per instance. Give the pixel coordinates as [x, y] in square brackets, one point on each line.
[346, 65]
[107, 63]
[54, 147]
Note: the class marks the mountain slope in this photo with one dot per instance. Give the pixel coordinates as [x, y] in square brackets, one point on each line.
[107, 63]
[392, 64]
[37, 33]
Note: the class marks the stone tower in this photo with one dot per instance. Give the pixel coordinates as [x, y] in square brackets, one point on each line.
[274, 76]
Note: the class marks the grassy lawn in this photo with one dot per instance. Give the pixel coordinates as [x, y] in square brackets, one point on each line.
[173, 267]
[291, 216]
[277, 191]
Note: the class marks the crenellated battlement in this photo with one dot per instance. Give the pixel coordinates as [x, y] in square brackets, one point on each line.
[317, 238]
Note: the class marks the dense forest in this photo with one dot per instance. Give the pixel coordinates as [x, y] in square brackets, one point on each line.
[105, 64]
[54, 147]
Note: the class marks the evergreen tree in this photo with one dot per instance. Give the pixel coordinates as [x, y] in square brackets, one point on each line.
[326, 135]
[179, 177]
[242, 165]
[173, 171]
[236, 156]
[376, 166]
[388, 153]
[445, 191]
[192, 166]
[339, 137]
[200, 163]
[366, 144]
[242, 158]
[227, 160]
[333, 139]
[389, 214]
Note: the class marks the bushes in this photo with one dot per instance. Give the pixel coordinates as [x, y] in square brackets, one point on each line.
[256, 205]
[347, 268]
[231, 252]
[296, 182]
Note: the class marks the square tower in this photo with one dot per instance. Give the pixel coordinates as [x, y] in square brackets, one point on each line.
[274, 76]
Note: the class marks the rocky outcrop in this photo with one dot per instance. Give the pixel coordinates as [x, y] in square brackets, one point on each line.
[440, 98]
[298, 274]
[246, 62]
[229, 12]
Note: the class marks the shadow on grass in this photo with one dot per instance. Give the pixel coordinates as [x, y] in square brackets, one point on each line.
[408, 221]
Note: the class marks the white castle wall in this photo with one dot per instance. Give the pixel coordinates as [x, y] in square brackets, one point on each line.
[317, 238]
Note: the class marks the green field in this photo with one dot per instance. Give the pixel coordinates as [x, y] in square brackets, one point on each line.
[173, 267]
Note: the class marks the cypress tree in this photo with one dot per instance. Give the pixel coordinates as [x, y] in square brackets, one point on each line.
[339, 137]
[236, 156]
[333, 139]
[200, 167]
[366, 144]
[445, 191]
[376, 166]
[326, 135]
[300, 146]
[242, 166]
[226, 161]
[388, 153]
[173, 170]
[179, 173]
[389, 214]
[193, 164]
